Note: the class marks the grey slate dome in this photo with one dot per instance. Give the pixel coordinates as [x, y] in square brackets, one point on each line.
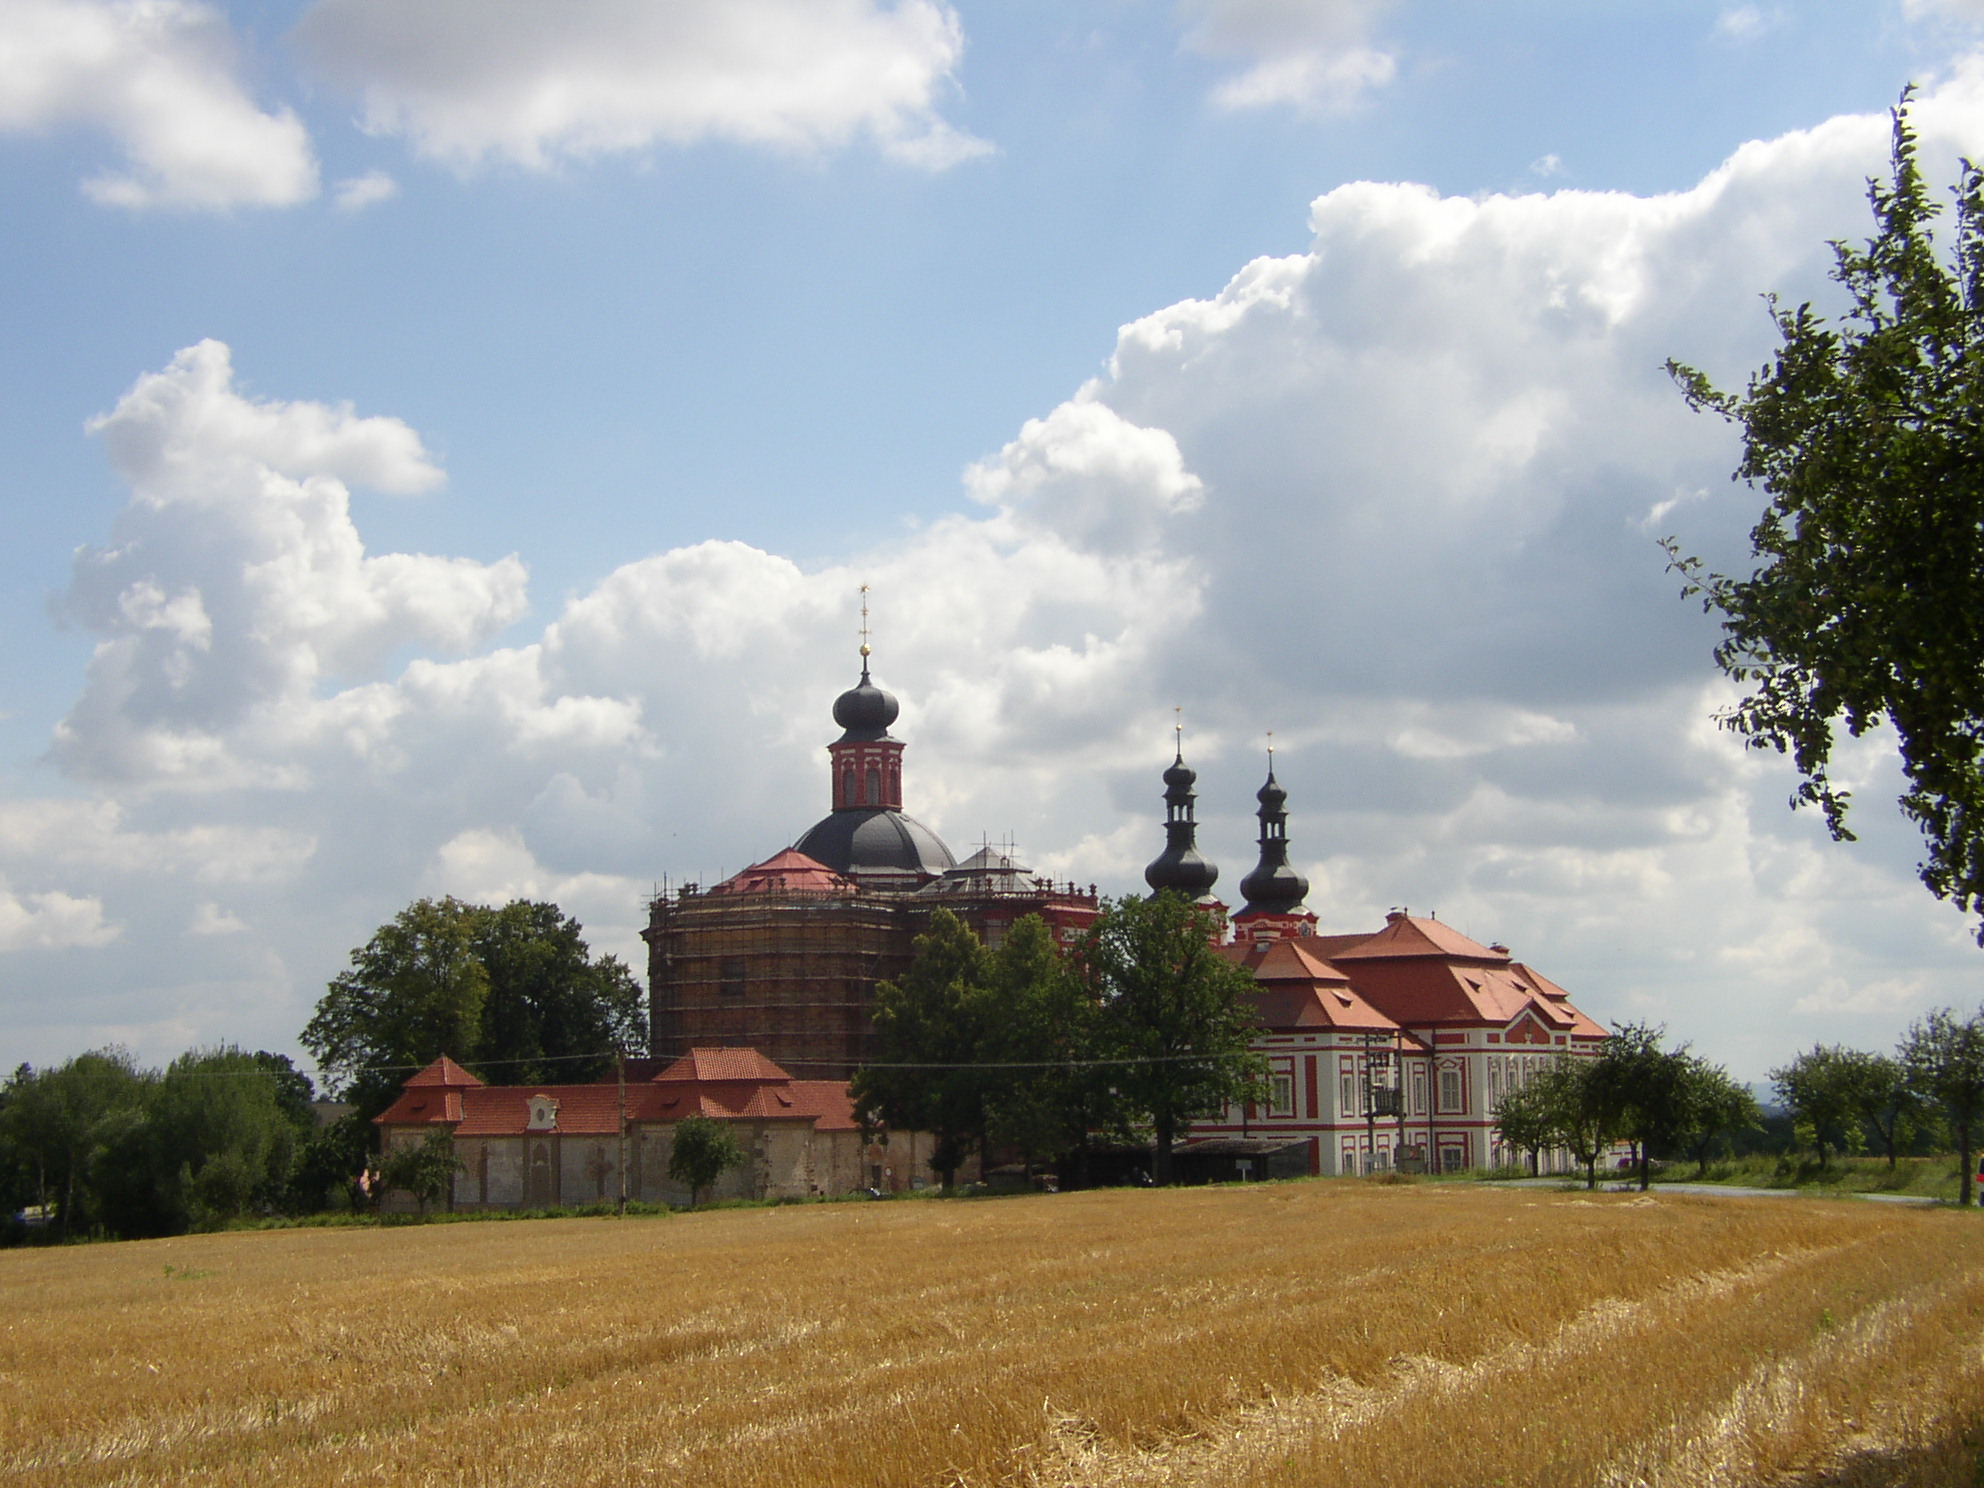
[865, 711]
[877, 843]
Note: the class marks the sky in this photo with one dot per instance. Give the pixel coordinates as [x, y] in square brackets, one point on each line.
[442, 442]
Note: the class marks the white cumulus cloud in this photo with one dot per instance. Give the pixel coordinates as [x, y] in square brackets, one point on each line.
[162, 79]
[1388, 497]
[1317, 56]
[531, 82]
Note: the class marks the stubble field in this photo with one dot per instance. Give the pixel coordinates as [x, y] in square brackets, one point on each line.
[1297, 1334]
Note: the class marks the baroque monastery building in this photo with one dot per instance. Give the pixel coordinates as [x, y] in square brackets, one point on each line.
[1386, 1048]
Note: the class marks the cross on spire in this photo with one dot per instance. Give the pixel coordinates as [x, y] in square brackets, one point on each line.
[1178, 732]
[864, 627]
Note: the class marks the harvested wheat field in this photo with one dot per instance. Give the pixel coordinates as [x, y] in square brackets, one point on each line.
[1306, 1333]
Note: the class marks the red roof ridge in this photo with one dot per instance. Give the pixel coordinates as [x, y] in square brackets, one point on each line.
[722, 1066]
[787, 871]
[1407, 935]
[443, 1072]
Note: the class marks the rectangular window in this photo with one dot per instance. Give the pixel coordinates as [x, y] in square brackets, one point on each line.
[1450, 1090]
[730, 976]
[1494, 1083]
[1347, 1095]
[1282, 1083]
[1419, 1091]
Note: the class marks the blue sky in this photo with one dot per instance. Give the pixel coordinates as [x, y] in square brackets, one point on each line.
[688, 328]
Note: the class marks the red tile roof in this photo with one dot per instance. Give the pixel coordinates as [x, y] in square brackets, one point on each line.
[724, 1084]
[443, 1071]
[786, 872]
[723, 1064]
[1405, 935]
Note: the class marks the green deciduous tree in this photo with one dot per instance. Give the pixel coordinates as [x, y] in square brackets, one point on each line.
[57, 1121]
[1643, 1090]
[702, 1151]
[1867, 601]
[1889, 1105]
[1577, 1111]
[1714, 1107]
[1176, 1016]
[512, 991]
[1943, 1057]
[1827, 1091]
[1048, 1095]
[1526, 1118]
[933, 1029]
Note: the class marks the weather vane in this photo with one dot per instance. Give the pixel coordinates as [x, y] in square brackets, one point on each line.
[1270, 751]
[864, 624]
[1178, 731]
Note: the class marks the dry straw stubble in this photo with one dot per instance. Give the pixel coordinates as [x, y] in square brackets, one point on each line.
[1308, 1333]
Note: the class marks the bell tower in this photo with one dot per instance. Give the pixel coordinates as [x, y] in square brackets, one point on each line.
[1180, 867]
[1274, 890]
[867, 761]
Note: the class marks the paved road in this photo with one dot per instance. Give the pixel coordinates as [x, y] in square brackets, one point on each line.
[1720, 1188]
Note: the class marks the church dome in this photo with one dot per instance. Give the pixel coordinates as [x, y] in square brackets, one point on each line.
[877, 844]
[865, 711]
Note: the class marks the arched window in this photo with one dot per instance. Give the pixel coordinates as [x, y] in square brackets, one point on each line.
[847, 787]
[874, 786]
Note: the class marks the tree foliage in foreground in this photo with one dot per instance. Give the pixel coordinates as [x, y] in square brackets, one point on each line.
[117, 1150]
[1142, 1027]
[702, 1151]
[1943, 1058]
[512, 993]
[1867, 601]
[1177, 1019]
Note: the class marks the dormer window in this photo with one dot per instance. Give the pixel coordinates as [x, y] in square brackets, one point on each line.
[543, 1113]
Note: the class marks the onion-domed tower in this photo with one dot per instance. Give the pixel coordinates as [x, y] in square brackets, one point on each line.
[1274, 890]
[867, 836]
[1180, 867]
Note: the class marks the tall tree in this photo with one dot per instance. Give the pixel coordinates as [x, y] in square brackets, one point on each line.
[553, 1012]
[1643, 1089]
[1048, 1093]
[1827, 1091]
[1713, 1107]
[1867, 601]
[513, 991]
[1889, 1105]
[1944, 1059]
[1527, 1119]
[1177, 1017]
[1576, 1110]
[932, 1030]
[412, 993]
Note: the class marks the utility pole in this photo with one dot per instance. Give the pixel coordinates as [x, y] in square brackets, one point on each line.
[620, 1071]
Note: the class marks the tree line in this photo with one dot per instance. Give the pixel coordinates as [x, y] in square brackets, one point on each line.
[1673, 1102]
[101, 1146]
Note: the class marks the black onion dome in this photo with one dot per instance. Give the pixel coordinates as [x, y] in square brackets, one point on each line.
[876, 841]
[1182, 869]
[865, 711]
[1273, 887]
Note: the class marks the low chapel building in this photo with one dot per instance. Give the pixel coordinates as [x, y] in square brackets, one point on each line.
[567, 1146]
